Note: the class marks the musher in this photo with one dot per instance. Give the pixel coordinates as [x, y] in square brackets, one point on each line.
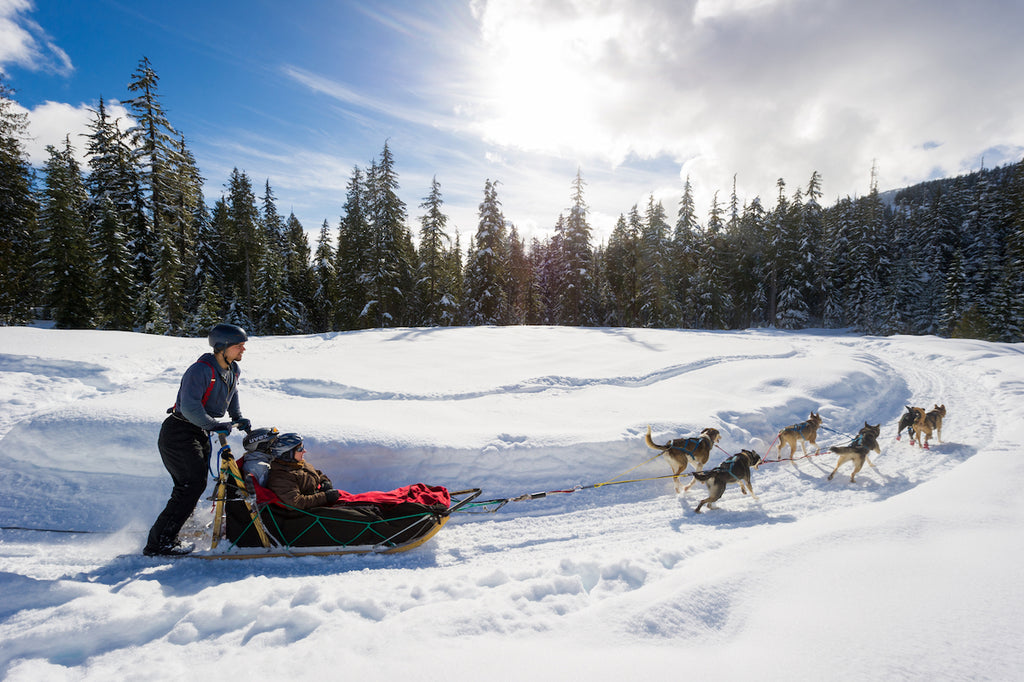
[209, 389]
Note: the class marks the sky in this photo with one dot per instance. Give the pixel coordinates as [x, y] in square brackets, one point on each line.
[909, 572]
[638, 96]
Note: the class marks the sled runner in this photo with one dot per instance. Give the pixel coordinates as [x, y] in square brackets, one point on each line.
[251, 521]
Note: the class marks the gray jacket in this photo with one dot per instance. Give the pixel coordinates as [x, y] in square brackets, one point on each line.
[206, 375]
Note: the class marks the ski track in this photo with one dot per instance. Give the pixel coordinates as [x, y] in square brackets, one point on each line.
[597, 532]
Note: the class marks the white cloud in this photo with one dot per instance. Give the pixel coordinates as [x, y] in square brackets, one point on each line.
[760, 89]
[51, 123]
[25, 43]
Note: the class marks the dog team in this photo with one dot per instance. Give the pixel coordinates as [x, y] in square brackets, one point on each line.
[695, 451]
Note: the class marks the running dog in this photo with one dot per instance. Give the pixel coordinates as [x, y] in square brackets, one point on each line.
[693, 451]
[805, 432]
[907, 422]
[927, 423]
[857, 451]
[735, 469]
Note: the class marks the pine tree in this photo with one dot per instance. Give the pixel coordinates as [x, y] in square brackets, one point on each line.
[66, 260]
[154, 150]
[301, 281]
[622, 274]
[353, 257]
[115, 273]
[276, 308]
[487, 267]
[576, 296]
[656, 305]
[389, 278]
[243, 234]
[434, 243]
[18, 208]
[684, 259]
[325, 296]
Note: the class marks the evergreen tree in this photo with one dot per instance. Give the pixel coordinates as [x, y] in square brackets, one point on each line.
[656, 305]
[389, 279]
[684, 259]
[353, 257]
[622, 275]
[301, 281]
[275, 311]
[19, 290]
[325, 296]
[66, 260]
[576, 297]
[431, 277]
[244, 236]
[487, 267]
[115, 273]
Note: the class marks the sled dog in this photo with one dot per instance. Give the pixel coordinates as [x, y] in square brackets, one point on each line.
[735, 469]
[805, 432]
[857, 451]
[907, 422]
[693, 451]
[928, 423]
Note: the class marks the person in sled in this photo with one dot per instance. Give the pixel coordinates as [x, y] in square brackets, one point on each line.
[294, 480]
[208, 390]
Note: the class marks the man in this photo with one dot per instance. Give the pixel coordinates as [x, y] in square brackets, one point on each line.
[208, 389]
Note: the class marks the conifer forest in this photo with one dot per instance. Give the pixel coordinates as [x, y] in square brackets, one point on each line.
[129, 243]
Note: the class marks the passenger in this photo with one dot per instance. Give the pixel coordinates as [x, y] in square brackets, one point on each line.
[209, 389]
[258, 454]
[293, 480]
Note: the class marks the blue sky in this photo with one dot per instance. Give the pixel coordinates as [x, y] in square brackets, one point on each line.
[638, 94]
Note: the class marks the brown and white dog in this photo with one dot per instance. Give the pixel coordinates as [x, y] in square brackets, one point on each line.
[693, 451]
[927, 423]
[735, 469]
[804, 432]
[857, 451]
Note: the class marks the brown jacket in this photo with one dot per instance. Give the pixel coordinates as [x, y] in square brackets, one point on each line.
[297, 483]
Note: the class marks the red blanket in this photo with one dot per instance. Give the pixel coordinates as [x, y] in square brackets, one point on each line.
[417, 492]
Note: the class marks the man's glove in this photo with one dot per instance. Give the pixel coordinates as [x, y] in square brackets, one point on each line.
[244, 424]
[325, 484]
[223, 428]
[332, 496]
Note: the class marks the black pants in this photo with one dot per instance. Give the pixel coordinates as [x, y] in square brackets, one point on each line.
[185, 450]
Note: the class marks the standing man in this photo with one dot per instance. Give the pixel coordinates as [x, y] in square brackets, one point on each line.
[209, 388]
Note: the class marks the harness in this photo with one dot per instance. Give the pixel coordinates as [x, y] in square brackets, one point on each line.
[692, 444]
[173, 409]
[800, 428]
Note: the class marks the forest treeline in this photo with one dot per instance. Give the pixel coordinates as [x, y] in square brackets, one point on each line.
[130, 243]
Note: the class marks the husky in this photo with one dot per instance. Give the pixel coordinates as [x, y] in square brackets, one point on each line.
[857, 451]
[693, 451]
[735, 469]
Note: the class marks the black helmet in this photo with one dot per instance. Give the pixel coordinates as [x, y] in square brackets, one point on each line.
[285, 446]
[260, 439]
[224, 335]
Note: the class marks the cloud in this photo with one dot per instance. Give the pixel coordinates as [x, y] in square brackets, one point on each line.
[25, 43]
[760, 89]
[51, 123]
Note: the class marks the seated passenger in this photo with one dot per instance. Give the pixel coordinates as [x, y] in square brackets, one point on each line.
[257, 444]
[293, 480]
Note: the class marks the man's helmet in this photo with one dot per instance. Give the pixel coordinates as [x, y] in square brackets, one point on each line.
[285, 446]
[260, 440]
[224, 335]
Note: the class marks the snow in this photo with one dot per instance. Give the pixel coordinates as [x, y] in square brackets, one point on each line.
[912, 572]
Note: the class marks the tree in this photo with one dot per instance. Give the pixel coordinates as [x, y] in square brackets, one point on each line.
[353, 256]
[66, 260]
[18, 207]
[486, 266]
[577, 293]
[431, 277]
[389, 279]
[325, 294]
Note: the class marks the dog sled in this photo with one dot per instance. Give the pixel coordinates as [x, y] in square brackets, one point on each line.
[250, 521]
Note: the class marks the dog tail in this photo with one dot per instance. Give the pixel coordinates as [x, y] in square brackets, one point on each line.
[702, 475]
[650, 442]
